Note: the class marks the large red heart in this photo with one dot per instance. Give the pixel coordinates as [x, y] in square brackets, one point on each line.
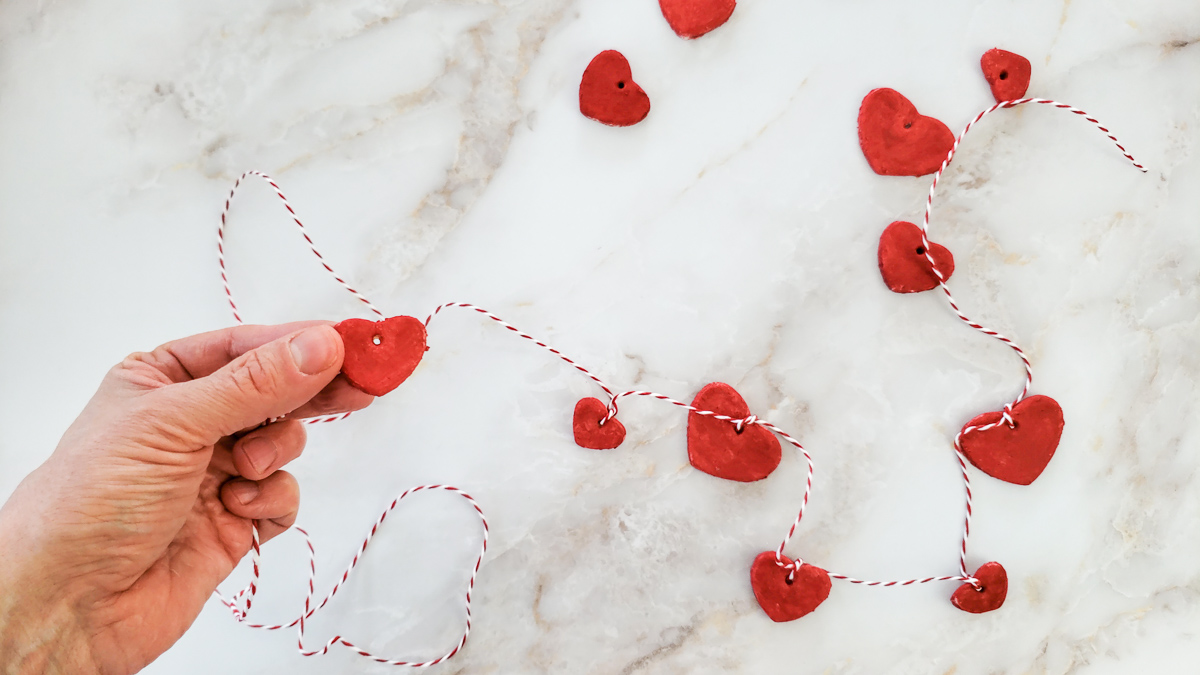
[993, 582]
[588, 431]
[380, 355]
[897, 140]
[1006, 73]
[692, 18]
[783, 600]
[902, 260]
[1020, 453]
[716, 447]
[608, 94]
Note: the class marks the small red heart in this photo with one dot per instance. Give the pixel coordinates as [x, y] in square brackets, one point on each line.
[588, 432]
[1007, 74]
[608, 94]
[692, 18]
[897, 140]
[380, 355]
[1016, 454]
[993, 582]
[902, 260]
[717, 448]
[784, 601]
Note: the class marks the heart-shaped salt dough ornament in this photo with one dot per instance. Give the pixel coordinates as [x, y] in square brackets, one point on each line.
[589, 433]
[608, 94]
[716, 447]
[993, 582]
[692, 18]
[1020, 453]
[903, 263]
[897, 140]
[1006, 73]
[380, 355]
[783, 600]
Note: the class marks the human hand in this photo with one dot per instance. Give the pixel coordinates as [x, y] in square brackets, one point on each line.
[110, 549]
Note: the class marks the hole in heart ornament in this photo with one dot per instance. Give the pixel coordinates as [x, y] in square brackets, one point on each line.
[897, 140]
[1016, 454]
[717, 448]
[692, 18]
[380, 355]
[1007, 74]
[903, 262]
[608, 94]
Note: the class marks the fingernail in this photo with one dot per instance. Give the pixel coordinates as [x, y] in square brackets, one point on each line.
[313, 350]
[244, 491]
[261, 453]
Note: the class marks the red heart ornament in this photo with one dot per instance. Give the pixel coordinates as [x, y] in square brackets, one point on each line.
[902, 260]
[717, 448]
[380, 355]
[897, 140]
[993, 582]
[608, 94]
[1006, 73]
[1016, 454]
[784, 601]
[692, 18]
[588, 431]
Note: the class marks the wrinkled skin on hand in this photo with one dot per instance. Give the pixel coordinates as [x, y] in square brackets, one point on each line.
[111, 548]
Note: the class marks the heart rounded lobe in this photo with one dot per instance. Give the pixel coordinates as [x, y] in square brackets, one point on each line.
[993, 589]
[1020, 453]
[903, 263]
[692, 18]
[608, 94]
[589, 433]
[785, 600]
[897, 140]
[717, 448]
[380, 355]
[1006, 73]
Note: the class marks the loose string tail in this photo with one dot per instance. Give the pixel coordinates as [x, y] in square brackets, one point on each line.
[239, 604]
[1006, 416]
[311, 246]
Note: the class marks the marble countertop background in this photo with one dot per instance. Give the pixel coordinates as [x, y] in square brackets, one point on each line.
[436, 151]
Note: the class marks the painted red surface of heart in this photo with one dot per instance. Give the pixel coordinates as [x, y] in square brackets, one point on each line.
[897, 140]
[608, 94]
[692, 18]
[380, 355]
[588, 431]
[1006, 73]
[784, 601]
[1016, 454]
[993, 582]
[902, 260]
[717, 448]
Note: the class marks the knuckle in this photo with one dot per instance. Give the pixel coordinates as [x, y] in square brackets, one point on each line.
[255, 375]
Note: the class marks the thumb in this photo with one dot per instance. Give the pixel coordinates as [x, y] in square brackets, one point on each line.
[269, 381]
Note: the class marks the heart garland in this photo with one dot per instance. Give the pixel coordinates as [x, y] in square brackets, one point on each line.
[1017, 443]
[724, 438]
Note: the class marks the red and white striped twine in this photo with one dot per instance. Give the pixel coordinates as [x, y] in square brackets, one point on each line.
[240, 603]
[1006, 415]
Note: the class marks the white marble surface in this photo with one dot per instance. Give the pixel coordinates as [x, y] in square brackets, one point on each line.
[436, 150]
